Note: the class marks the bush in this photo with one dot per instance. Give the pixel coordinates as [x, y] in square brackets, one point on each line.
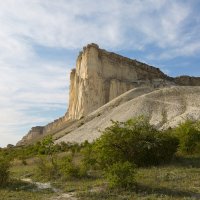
[189, 137]
[89, 156]
[135, 141]
[4, 171]
[47, 170]
[121, 175]
[47, 165]
[69, 170]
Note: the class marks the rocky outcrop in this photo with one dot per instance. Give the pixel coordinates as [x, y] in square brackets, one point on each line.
[32, 135]
[99, 77]
[187, 80]
[37, 132]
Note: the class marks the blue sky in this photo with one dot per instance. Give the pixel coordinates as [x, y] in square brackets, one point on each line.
[40, 40]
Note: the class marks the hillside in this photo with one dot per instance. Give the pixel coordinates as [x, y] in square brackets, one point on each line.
[165, 107]
[98, 81]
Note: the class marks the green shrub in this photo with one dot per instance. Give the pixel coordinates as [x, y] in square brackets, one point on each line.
[189, 137]
[83, 170]
[24, 162]
[69, 170]
[63, 146]
[121, 175]
[135, 141]
[47, 165]
[89, 156]
[46, 169]
[4, 171]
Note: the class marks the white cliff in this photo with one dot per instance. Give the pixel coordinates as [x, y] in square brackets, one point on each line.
[100, 77]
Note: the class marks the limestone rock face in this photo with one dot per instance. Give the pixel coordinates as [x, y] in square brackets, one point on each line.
[33, 134]
[38, 132]
[101, 76]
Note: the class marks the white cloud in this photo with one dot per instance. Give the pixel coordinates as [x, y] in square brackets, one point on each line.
[73, 23]
[9, 136]
[29, 81]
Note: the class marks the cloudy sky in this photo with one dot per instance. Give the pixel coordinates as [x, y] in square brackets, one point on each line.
[40, 40]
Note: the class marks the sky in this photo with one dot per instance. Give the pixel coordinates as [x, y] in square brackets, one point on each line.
[40, 40]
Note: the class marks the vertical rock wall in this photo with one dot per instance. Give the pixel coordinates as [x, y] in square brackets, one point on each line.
[100, 76]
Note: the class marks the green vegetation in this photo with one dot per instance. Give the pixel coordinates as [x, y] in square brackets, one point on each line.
[4, 171]
[121, 175]
[176, 181]
[131, 160]
[18, 190]
[189, 137]
[135, 141]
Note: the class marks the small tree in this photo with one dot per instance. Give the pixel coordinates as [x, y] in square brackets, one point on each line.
[47, 167]
[47, 147]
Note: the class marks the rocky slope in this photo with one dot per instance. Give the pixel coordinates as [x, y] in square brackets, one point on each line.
[165, 108]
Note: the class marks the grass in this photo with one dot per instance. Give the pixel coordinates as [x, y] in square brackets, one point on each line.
[22, 195]
[178, 180]
[18, 190]
[23, 171]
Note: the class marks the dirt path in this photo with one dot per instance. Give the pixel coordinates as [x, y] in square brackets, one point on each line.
[59, 195]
